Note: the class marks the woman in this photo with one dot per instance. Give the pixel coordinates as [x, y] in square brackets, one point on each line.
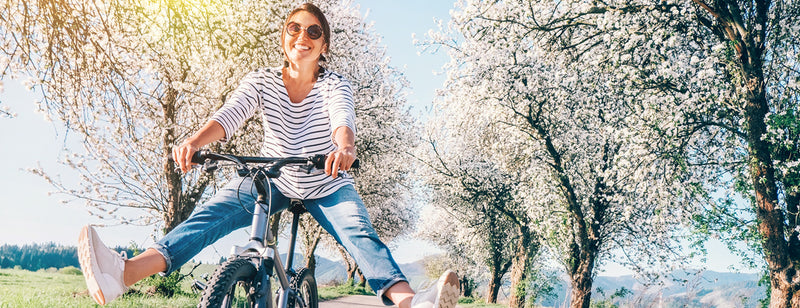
[306, 110]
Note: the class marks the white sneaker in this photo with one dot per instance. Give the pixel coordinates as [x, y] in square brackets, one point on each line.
[444, 294]
[102, 267]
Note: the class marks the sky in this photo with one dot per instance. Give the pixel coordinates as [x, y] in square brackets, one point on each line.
[30, 214]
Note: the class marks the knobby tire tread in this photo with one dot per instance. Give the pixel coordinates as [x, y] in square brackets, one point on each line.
[304, 275]
[225, 278]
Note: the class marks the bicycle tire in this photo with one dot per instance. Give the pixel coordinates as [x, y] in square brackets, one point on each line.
[230, 285]
[305, 286]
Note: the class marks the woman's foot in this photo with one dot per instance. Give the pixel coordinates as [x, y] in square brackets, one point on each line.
[102, 267]
[444, 294]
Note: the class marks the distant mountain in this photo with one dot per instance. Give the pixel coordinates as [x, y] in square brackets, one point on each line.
[334, 271]
[680, 289]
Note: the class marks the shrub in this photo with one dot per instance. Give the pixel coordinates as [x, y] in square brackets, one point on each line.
[70, 270]
[166, 286]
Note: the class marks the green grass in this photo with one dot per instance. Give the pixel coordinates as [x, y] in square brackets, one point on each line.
[21, 288]
[337, 291]
[66, 288]
[472, 302]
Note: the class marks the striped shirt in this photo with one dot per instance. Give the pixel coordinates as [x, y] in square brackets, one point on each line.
[291, 129]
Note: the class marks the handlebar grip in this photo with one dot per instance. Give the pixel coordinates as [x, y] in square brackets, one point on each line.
[319, 161]
[199, 157]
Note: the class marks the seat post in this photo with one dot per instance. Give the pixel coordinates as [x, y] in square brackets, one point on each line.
[296, 209]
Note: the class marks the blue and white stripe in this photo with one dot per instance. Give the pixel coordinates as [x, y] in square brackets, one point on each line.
[290, 129]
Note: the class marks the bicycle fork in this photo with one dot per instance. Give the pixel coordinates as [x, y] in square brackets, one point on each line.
[265, 256]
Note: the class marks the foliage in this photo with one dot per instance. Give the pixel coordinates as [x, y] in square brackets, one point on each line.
[572, 127]
[34, 257]
[611, 300]
[132, 78]
[70, 270]
[344, 289]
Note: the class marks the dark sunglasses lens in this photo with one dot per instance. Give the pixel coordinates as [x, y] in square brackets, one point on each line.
[314, 32]
[293, 29]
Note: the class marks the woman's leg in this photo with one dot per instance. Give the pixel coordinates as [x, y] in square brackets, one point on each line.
[229, 210]
[401, 294]
[108, 274]
[345, 217]
[143, 265]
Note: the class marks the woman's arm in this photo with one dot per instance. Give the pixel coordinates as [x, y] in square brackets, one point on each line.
[345, 154]
[182, 154]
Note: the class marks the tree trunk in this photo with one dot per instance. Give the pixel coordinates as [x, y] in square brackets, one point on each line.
[493, 289]
[518, 288]
[581, 287]
[496, 280]
[783, 271]
[362, 281]
[783, 267]
[467, 285]
[349, 263]
[520, 267]
[312, 233]
[175, 211]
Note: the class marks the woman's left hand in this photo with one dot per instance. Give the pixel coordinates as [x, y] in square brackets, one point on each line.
[340, 159]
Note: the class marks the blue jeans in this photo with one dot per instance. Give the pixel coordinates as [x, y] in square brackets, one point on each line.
[342, 214]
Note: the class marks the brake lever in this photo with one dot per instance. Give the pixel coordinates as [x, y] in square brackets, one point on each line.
[210, 166]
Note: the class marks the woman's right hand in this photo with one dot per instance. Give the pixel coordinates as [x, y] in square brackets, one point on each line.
[182, 155]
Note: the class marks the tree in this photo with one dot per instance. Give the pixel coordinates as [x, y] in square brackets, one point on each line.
[726, 72]
[478, 200]
[588, 150]
[130, 79]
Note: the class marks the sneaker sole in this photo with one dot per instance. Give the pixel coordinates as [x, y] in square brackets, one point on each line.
[450, 292]
[85, 257]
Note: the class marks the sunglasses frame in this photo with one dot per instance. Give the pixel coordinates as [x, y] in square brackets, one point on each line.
[306, 29]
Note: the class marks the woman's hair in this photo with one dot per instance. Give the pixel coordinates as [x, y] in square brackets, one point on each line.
[313, 10]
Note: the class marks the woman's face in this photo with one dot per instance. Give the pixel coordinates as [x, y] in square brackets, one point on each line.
[301, 48]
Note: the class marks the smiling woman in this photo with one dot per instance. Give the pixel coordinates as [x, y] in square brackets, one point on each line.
[305, 110]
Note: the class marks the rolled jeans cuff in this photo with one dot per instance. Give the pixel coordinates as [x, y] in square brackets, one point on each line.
[164, 252]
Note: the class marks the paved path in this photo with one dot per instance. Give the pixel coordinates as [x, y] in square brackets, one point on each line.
[356, 301]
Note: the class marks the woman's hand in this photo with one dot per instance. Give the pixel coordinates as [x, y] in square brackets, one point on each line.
[340, 159]
[182, 155]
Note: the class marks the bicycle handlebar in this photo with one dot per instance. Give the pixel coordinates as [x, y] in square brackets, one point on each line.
[318, 161]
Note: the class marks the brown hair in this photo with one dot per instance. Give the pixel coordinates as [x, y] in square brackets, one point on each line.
[326, 28]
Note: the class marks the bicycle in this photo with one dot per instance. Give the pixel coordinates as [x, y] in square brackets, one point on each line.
[244, 280]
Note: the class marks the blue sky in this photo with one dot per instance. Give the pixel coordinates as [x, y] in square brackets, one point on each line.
[28, 214]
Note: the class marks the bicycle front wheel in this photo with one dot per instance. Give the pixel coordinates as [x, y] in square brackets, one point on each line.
[230, 285]
[305, 286]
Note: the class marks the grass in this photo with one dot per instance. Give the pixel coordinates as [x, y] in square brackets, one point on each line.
[66, 288]
[51, 288]
[471, 302]
[345, 289]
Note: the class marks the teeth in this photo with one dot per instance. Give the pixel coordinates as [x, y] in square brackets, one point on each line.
[302, 47]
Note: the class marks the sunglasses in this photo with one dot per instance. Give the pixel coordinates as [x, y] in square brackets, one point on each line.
[314, 32]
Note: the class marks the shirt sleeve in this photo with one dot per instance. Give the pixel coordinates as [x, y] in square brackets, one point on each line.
[341, 107]
[240, 106]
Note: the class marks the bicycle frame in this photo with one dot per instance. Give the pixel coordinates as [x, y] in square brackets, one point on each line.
[262, 243]
[261, 250]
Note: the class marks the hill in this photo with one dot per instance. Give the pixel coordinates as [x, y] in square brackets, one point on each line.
[679, 289]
